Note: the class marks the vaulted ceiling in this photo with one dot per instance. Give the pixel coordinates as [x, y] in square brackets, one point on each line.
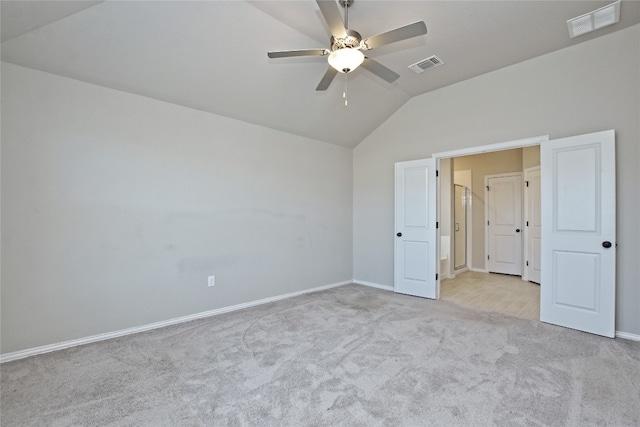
[211, 55]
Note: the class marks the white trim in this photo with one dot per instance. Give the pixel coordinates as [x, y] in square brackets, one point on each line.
[8, 357]
[437, 209]
[519, 143]
[627, 336]
[373, 285]
[478, 270]
[525, 212]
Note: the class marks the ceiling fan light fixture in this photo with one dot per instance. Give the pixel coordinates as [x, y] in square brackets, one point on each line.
[346, 60]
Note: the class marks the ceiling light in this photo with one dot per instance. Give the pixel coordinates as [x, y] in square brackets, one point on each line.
[591, 21]
[346, 60]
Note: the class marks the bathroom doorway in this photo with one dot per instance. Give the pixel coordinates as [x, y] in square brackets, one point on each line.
[469, 281]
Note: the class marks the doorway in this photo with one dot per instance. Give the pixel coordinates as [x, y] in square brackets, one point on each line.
[498, 248]
[578, 206]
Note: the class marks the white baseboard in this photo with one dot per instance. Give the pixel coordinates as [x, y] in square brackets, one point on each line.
[8, 357]
[479, 270]
[627, 336]
[373, 285]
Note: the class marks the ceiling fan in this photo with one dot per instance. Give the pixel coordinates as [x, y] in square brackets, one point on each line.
[347, 46]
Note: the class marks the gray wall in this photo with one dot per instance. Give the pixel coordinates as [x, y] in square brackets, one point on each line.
[586, 88]
[116, 208]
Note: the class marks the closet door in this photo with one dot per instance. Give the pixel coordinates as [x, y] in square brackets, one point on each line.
[504, 223]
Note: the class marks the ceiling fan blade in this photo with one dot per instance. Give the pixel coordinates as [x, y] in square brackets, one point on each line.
[402, 33]
[303, 52]
[380, 70]
[331, 13]
[327, 78]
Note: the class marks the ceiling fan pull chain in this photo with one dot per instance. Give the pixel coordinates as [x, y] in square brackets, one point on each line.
[346, 86]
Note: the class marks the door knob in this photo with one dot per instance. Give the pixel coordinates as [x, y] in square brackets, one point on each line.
[606, 244]
[399, 234]
[517, 230]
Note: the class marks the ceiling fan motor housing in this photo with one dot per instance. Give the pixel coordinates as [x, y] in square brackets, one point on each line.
[352, 41]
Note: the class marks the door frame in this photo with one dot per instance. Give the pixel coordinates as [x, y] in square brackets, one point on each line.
[527, 256]
[499, 146]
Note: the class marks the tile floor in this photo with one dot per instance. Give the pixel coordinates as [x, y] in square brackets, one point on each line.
[494, 292]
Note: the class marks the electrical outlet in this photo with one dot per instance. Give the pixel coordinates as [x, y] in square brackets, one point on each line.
[212, 281]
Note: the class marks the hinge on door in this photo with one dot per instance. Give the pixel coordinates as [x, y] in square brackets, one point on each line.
[437, 172]
[488, 223]
[527, 223]
[437, 224]
[527, 263]
[436, 276]
[487, 188]
[527, 182]
[488, 257]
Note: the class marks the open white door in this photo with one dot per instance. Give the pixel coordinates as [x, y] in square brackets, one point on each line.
[415, 217]
[578, 232]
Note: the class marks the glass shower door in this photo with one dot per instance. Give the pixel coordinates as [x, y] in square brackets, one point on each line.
[460, 227]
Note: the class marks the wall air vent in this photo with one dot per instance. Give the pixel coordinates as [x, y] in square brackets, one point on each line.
[592, 21]
[426, 64]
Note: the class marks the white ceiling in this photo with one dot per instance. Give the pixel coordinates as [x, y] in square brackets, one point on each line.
[211, 55]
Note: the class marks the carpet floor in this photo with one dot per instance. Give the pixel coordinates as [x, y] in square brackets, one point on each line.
[352, 356]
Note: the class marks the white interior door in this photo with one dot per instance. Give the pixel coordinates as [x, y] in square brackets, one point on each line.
[504, 223]
[533, 227]
[416, 253]
[578, 232]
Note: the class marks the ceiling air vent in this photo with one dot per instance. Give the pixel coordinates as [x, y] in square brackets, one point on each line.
[425, 64]
[591, 21]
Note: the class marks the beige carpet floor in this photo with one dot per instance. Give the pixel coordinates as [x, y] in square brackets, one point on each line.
[494, 292]
[349, 356]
